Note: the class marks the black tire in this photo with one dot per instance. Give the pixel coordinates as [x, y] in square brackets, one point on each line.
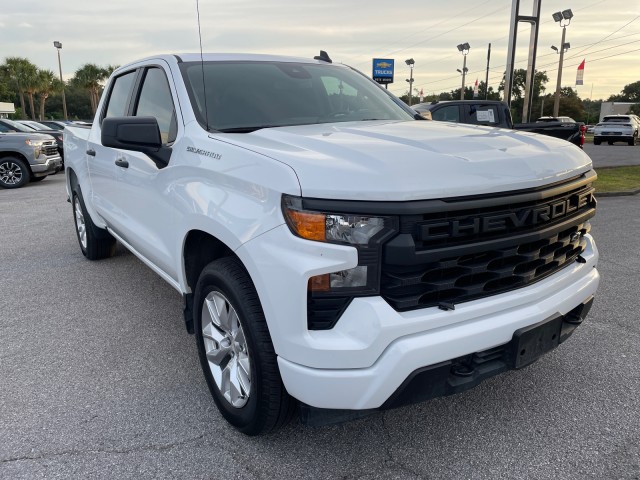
[98, 243]
[633, 141]
[14, 172]
[268, 406]
[38, 179]
[596, 142]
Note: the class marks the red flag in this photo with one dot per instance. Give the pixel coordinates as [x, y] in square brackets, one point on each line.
[421, 96]
[580, 74]
[475, 89]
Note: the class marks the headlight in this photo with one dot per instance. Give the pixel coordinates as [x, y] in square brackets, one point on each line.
[330, 227]
[363, 232]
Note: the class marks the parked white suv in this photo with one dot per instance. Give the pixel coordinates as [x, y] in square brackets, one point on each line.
[617, 128]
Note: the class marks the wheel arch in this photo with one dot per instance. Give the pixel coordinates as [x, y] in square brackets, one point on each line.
[17, 155]
[199, 248]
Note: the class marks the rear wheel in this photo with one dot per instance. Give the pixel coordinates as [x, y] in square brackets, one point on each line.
[236, 352]
[14, 172]
[596, 141]
[633, 141]
[95, 242]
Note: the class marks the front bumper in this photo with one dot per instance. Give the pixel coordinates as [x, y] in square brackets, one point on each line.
[373, 349]
[460, 374]
[618, 137]
[49, 167]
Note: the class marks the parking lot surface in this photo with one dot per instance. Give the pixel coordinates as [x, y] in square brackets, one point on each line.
[616, 155]
[99, 379]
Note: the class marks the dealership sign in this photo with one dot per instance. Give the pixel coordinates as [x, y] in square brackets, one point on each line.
[383, 70]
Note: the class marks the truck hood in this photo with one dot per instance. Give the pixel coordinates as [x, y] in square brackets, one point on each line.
[20, 137]
[399, 161]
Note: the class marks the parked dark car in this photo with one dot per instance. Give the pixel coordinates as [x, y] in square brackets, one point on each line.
[55, 124]
[9, 126]
[494, 113]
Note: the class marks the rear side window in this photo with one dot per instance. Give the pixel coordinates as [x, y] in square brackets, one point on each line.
[155, 101]
[449, 113]
[483, 114]
[119, 97]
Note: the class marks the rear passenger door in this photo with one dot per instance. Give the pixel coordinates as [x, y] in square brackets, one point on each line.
[101, 160]
[149, 220]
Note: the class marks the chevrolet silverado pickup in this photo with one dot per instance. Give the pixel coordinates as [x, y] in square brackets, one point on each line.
[494, 113]
[26, 157]
[337, 255]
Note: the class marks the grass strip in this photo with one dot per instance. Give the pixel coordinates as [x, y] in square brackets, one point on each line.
[617, 179]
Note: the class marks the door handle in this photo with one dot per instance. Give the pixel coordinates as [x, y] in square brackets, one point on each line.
[121, 162]
[91, 152]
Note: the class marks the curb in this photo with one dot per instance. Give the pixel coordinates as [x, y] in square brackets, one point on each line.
[624, 193]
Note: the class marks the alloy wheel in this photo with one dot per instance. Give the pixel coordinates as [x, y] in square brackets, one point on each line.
[81, 226]
[226, 349]
[10, 173]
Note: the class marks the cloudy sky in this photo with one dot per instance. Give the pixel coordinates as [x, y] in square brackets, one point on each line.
[604, 32]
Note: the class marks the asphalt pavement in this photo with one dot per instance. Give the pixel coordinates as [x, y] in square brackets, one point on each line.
[616, 155]
[99, 379]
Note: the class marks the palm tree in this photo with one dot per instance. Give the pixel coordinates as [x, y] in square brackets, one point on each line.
[89, 77]
[48, 83]
[21, 73]
[31, 84]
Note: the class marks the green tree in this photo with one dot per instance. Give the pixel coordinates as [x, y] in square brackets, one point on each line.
[570, 105]
[89, 77]
[630, 93]
[21, 73]
[635, 109]
[48, 84]
[31, 86]
[519, 83]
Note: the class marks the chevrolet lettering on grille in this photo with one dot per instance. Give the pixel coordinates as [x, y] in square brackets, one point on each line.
[502, 221]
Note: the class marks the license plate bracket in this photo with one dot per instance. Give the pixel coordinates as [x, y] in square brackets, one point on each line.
[530, 343]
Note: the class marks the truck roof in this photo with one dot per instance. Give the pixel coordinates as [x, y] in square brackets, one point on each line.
[225, 57]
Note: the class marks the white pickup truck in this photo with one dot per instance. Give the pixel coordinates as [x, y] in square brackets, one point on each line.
[334, 252]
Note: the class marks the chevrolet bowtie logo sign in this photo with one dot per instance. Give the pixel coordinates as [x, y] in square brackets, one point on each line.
[383, 70]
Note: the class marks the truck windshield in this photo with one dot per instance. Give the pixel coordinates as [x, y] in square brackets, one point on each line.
[246, 96]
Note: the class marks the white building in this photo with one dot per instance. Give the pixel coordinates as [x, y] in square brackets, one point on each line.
[614, 108]
[6, 109]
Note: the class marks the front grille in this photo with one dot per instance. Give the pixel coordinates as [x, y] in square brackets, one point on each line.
[444, 258]
[50, 150]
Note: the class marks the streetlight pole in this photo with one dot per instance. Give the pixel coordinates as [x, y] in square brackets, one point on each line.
[411, 63]
[464, 49]
[58, 46]
[560, 17]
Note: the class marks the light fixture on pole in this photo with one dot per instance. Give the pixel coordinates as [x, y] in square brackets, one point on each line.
[564, 19]
[463, 48]
[411, 63]
[58, 46]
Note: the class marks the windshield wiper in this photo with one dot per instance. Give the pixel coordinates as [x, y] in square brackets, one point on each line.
[247, 129]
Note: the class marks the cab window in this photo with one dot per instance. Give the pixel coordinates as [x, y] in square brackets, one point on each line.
[450, 113]
[155, 101]
[118, 102]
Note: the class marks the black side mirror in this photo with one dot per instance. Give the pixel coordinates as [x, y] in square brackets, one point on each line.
[140, 134]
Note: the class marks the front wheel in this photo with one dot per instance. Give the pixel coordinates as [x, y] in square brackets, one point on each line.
[236, 352]
[14, 172]
[596, 142]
